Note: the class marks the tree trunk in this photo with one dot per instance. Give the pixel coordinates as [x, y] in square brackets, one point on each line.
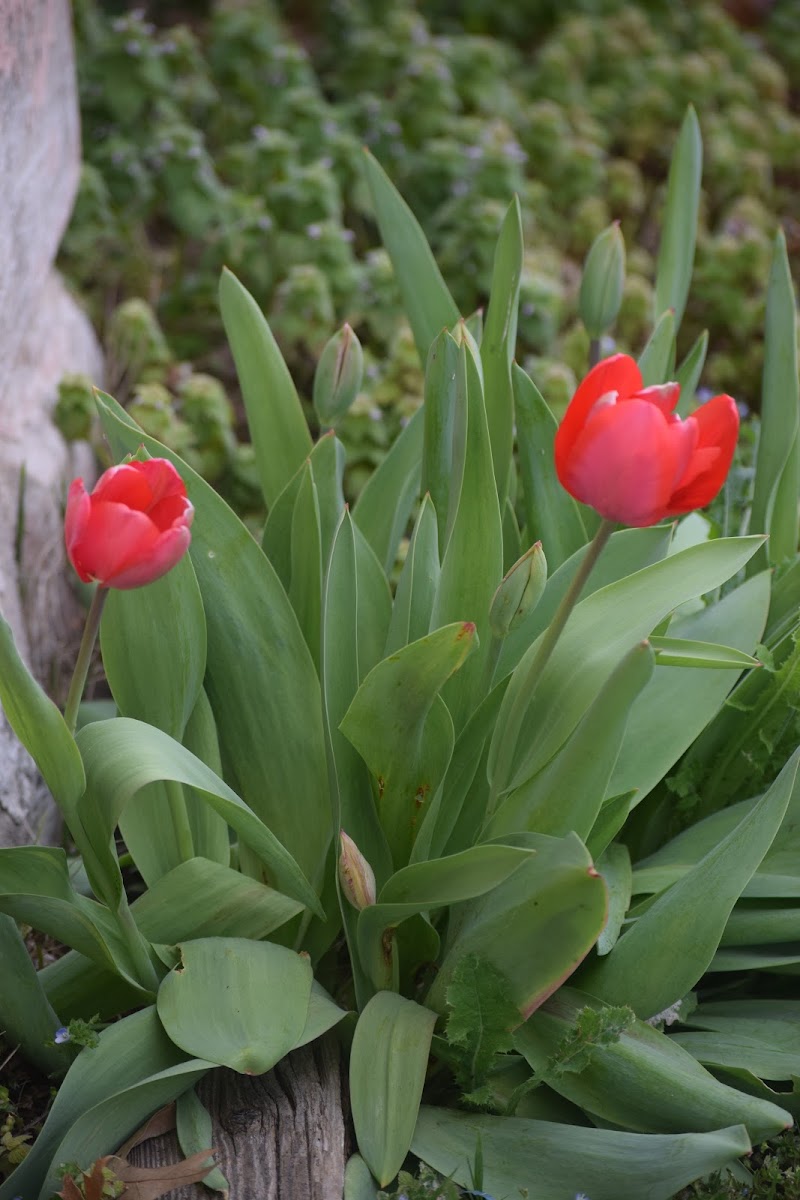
[279, 1136]
[43, 335]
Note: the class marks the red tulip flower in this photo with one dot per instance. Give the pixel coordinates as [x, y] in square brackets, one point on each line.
[134, 526]
[621, 449]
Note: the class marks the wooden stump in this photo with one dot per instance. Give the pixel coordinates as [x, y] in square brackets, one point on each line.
[279, 1136]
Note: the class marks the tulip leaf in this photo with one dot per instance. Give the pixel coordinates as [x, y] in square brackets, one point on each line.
[27, 1018]
[567, 794]
[42, 730]
[610, 819]
[444, 400]
[657, 360]
[130, 1051]
[685, 652]
[600, 631]
[260, 678]
[402, 729]
[644, 1082]
[275, 418]
[615, 866]
[679, 232]
[498, 343]
[689, 372]
[327, 468]
[359, 1182]
[382, 510]
[416, 587]
[194, 1001]
[694, 911]
[535, 927]
[472, 565]
[388, 1062]
[424, 887]
[194, 1130]
[305, 589]
[374, 604]
[426, 300]
[774, 508]
[563, 1160]
[552, 516]
[209, 830]
[122, 756]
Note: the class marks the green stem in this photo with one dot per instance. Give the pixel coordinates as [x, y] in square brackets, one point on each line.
[180, 819]
[594, 352]
[513, 725]
[83, 661]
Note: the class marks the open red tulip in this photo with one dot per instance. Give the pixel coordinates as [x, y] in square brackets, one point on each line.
[132, 528]
[621, 449]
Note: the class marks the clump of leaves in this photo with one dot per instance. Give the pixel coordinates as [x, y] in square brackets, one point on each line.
[14, 1144]
[424, 1185]
[100, 1182]
[776, 1175]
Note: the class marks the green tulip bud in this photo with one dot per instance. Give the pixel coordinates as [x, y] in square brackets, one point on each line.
[338, 377]
[519, 592]
[603, 281]
[356, 876]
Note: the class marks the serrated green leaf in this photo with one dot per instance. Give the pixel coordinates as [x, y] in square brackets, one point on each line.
[480, 1019]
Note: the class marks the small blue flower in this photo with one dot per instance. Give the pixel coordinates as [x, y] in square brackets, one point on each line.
[61, 1035]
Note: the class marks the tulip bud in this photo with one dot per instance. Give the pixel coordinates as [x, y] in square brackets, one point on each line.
[337, 381]
[519, 591]
[603, 281]
[355, 874]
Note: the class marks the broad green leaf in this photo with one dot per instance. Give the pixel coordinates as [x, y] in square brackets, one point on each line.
[275, 418]
[78, 987]
[305, 589]
[689, 372]
[426, 300]
[536, 927]
[388, 1061]
[762, 923]
[690, 916]
[684, 652]
[610, 819]
[472, 565]
[359, 1182]
[374, 605]
[27, 1018]
[129, 1051]
[762, 1036]
[194, 1130]
[731, 1050]
[567, 794]
[424, 887]
[655, 359]
[615, 866]
[260, 678]
[628, 551]
[644, 1082]
[205, 899]
[758, 958]
[416, 588]
[440, 415]
[209, 830]
[498, 343]
[564, 1160]
[383, 508]
[402, 730]
[551, 515]
[123, 756]
[41, 728]
[327, 468]
[512, 539]
[322, 1015]
[35, 888]
[195, 1001]
[774, 508]
[677, 704]
[679, 231]
[600, 631]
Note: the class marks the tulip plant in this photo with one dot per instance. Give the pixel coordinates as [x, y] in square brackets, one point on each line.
[429, 798]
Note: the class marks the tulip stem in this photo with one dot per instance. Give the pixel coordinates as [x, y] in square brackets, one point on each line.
[83, 661]
[501, 778]
[180, 819]
[594, 352]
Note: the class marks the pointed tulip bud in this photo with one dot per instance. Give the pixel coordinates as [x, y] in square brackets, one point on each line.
[519, 591]
[355, 874]
[603, 281]
[337, 381]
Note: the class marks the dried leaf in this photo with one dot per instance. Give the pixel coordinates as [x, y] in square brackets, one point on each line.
[161, 1122]
[70, 1191]
[148, 1183]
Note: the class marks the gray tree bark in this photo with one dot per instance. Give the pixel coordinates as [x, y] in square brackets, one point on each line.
[279, 1136]
[43, 335]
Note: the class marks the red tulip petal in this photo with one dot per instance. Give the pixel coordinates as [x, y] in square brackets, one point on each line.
[124, 485]
[76, 518]
[619, 373]
[114, 538]
[162, 477]
[663, 395]
[717, 431]
[626, 460]
[171, 509]
[167, 550]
